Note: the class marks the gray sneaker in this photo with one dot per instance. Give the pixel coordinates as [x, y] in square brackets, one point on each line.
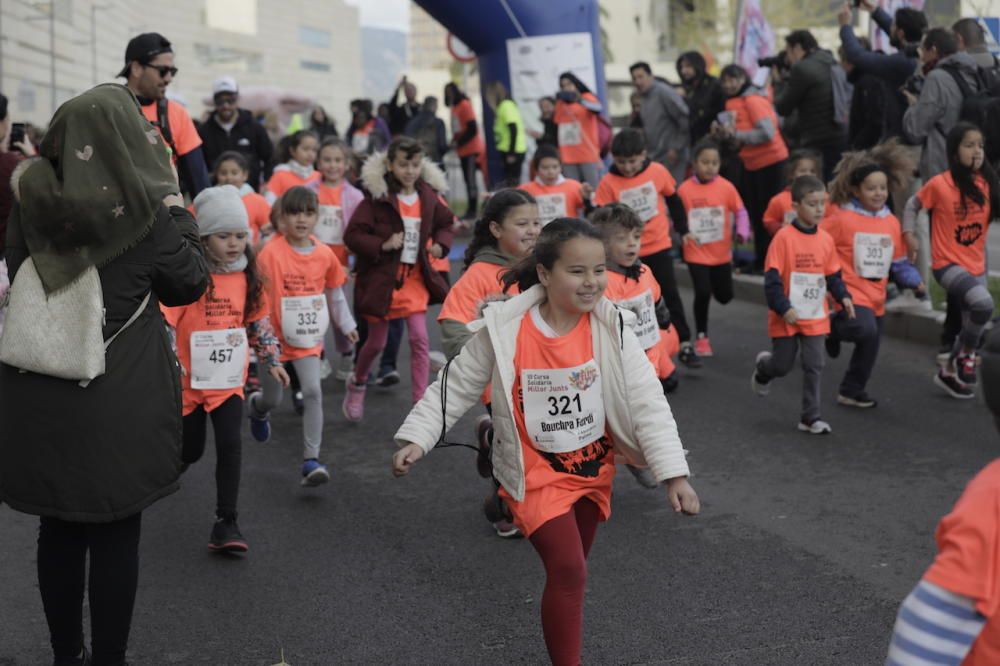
[817, 427]
[758, 384]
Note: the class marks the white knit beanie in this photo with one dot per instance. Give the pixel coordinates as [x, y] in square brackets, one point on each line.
[219, 209]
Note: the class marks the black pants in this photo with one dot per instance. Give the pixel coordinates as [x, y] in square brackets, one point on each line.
[512, 171]
[865, 331]
[952, 321]
[758, 188]
[469, 169]
[114, 574]
[227, 419]
[831, 154]
[709, 281]
[662, 266]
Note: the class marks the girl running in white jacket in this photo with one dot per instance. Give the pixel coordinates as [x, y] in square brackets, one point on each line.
[572, 388]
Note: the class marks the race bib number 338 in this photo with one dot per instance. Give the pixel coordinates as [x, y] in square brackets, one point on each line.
[563, 407]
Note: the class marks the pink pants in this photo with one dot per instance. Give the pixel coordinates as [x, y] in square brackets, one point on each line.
[420, 365]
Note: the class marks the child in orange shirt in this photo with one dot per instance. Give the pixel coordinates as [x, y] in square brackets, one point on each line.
[338, 200]
[572, 388]
[801, 265]
[556, 196]
[389, 234]
[212, 338]
[504, 235]
[631, 286]
[962, 202]
[577, 109]
[713, 208]
[870, 246]
[297, 157]
[305, 290]
[649, 189]
[779, 211]
[232, 169]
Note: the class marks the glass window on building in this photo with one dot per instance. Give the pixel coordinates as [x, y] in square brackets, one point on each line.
[315, 37]
[314, 66]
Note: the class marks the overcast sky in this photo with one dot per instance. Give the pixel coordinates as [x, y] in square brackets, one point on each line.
[390, 14]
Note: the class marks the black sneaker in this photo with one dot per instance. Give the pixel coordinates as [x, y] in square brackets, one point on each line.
[390, 378]
[670, 383]
[832, 344]
[298, 403]
[83, 659]
[226, 537]
[965, 368]
[953, 386]
[688, 356]
[862, 400]
[484, 438]
[495, 508]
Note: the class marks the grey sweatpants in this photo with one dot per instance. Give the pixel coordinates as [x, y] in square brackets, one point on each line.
[585, 172]
[783, 359]
[977, 303]
[312, 397]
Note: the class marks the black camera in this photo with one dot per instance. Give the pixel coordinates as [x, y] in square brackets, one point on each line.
[914, 85]
[780, 61]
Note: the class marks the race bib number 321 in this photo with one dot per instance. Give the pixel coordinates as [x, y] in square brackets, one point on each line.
[563, 407]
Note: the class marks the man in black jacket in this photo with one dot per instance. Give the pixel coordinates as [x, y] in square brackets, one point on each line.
[701, 92]
[233, 128]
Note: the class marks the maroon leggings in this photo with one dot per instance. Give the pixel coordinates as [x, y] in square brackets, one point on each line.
[563, 544]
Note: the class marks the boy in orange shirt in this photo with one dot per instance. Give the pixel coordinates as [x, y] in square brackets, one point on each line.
[233, 169]
[714, 207]
[800, 267]
[779, 211]
[556, 195]
[649, 190]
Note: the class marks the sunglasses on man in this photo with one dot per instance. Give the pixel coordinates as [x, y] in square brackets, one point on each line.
[162, 70]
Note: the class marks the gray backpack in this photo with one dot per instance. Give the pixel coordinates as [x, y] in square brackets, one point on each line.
[843, 91]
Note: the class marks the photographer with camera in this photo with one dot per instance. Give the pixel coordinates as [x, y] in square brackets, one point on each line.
[14, 147]
[937, 107]
[905, 30]
[809, 91]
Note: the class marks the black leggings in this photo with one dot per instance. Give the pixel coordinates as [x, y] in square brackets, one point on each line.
[226, 421]
[758, 188]
[469, 169]
[114, 574]
[662, 266]
[512, 171]
[709, 281]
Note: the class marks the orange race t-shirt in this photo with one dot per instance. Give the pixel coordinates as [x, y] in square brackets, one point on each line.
[867, 244]
[577, 132]
[463, 114]
[803, 261]
[958, 234]
[640, 296]
[560, 200]
[330, 224]
[779, 212]
[284, 180]
[182, 129]
[644, 194]
[968, 559]
[559, 413]
[213, 330]
[412, 296]
[296, 285]
[711, 212]
[747, 111]
[258, 212]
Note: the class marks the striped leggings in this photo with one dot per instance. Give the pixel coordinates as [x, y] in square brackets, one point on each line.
[977, 304]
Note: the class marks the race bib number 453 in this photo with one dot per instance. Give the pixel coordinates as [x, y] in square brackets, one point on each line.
[807, 292]
[563, 407]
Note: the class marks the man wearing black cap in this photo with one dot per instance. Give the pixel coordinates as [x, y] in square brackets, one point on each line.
[149, 69]
[233, 128]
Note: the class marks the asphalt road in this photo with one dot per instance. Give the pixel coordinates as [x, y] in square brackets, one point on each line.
[804, 548]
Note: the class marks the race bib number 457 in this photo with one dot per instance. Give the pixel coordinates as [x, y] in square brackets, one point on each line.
[563, 407]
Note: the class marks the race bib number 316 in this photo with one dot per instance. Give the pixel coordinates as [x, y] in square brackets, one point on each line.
[563, 407]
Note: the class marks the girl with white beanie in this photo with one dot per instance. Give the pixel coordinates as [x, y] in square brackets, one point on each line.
[213, 337]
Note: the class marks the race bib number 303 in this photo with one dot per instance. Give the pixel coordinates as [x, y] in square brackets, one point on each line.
[563, 407]
[304, 320]
[807, 292]
[872, 255]
[218, 358]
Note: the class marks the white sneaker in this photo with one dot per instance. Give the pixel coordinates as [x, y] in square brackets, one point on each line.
[758, 387]
[817, 427]
[325, 369]
[437, 359]
[345, 366]
[908, 302]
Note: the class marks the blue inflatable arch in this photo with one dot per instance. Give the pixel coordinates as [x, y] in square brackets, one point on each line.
[486, 25]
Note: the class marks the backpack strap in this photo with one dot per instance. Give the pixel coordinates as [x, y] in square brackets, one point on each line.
[130, 321]
[963, 86]
[163, 122]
